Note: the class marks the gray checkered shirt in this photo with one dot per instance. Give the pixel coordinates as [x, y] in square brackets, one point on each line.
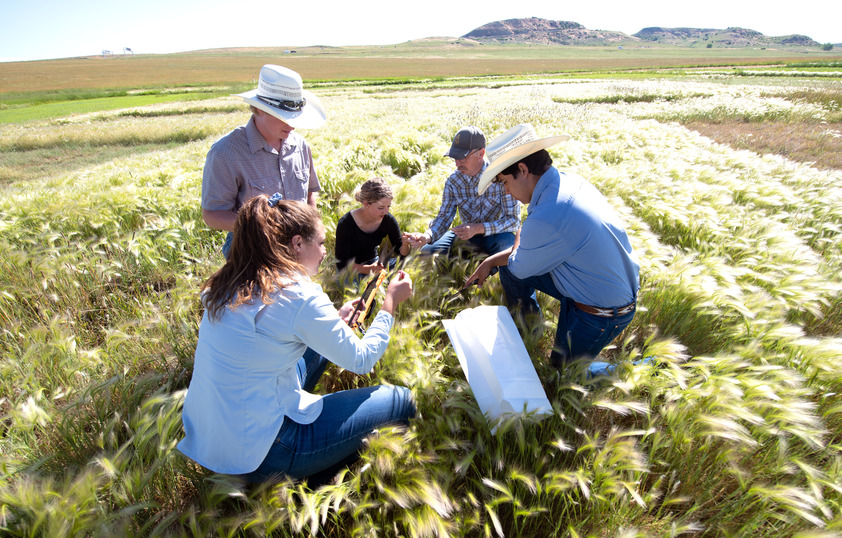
[495, 209]
[242, 165]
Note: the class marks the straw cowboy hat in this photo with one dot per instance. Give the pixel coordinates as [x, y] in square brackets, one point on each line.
[281, 94]
[518, 142]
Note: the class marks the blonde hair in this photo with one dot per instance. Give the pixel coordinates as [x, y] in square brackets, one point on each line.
[372, 190]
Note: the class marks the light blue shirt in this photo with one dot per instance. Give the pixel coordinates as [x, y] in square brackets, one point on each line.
[245, 380]
[573, 233]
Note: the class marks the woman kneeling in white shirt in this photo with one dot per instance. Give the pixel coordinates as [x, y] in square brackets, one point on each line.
[266, 335]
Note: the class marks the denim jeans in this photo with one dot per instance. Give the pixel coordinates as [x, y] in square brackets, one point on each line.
[320, 449]
[579, 334]
[490, 244]
[226, 246]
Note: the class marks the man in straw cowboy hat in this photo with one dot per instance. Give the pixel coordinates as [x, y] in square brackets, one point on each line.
[572, 246]
[264, 156]
[489, 220]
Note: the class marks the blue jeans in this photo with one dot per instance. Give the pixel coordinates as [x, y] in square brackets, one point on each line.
[579, 334]
[490, 244]
[226, 246]
[333, 440]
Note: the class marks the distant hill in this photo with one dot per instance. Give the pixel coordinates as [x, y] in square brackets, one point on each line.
[730, 37]
[547, 32]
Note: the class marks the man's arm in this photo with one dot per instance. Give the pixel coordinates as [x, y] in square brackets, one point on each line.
[467, 231]
[447, 211]
[495, 260]
[220, 220]
[484, 269]
[508, 221]
[220, 186]
[314, 185]
[542, 247]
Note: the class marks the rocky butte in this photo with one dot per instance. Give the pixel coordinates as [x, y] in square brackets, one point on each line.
[548, 32]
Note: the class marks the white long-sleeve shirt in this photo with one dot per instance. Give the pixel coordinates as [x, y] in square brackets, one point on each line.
[245, 380]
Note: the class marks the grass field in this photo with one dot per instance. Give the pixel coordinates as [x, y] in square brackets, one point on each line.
[733, 430]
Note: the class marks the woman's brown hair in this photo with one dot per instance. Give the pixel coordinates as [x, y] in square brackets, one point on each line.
[261, 259]
[373, 190]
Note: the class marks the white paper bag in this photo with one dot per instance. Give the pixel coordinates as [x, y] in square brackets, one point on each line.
[495, 362]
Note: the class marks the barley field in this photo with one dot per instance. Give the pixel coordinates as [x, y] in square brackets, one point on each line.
[733, 428]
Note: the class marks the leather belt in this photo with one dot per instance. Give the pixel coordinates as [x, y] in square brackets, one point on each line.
[606, 312]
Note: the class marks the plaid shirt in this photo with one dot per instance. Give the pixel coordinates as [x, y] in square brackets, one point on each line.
[242, 165]
[497, 211]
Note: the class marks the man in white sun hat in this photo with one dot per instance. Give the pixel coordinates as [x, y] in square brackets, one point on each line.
[572, 246]
[264, 156]
[489, 220]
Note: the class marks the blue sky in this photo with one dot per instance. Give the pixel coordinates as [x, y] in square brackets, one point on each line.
[60, 29]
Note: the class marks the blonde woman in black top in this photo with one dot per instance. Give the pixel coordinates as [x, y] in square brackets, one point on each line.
[360, 231]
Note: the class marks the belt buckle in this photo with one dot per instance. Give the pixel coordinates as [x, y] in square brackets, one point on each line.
[606, 312]
[603, 312]
[626, 309]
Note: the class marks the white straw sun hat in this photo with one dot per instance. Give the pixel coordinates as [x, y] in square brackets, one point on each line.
[281, 93]
[510, 147]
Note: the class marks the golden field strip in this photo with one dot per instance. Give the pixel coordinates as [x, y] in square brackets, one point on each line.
[422, 60]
